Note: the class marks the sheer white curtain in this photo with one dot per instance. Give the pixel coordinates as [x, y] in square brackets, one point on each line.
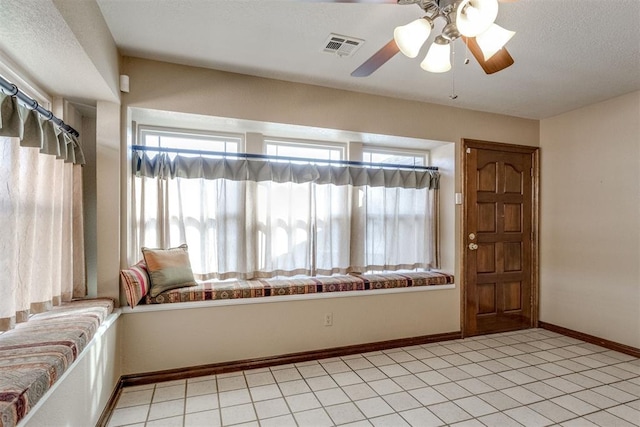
[395, 228]
[254, 218]
[211, 216]
[42, 260]
[333, 226]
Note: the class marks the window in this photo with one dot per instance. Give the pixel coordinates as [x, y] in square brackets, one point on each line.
[307, 150]
[391, 210]
[249, 218]
[395, 157]
[168, 138]
[319, 222]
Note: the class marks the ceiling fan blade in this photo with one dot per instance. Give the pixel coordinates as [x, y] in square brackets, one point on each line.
[377, 60]
[497, 62]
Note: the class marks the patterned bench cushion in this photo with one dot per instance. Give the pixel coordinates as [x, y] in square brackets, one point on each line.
[212, 290]
[35, 354]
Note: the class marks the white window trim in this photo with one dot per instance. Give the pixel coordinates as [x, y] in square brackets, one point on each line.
[189, 134]
[293, 142]
[400, 151]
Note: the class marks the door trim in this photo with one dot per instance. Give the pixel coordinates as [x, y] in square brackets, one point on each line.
[535, 219]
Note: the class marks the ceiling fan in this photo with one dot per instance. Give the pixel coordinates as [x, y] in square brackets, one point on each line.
[470, 20]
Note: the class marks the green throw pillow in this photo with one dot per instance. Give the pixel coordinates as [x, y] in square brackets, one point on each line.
[168, 269]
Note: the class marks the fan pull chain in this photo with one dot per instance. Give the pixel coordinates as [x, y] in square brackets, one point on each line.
[453, 72]
[466, 55]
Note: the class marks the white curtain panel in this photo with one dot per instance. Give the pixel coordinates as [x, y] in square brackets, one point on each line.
[393, 229]
[245, 229]
[250, 219]
[42, 242]
[333, 224]
[37, 213]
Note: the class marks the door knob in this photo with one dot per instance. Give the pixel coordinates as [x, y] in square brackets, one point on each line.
[473, 246]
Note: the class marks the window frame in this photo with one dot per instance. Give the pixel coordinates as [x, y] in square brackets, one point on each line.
[310, 143]
[426, 154]
[344, 148]
[194, 134]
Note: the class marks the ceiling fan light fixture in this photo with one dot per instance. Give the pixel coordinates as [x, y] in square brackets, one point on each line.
[492, 40]
[412, 36]
[438, 59]
[474, 17]
[466, 19]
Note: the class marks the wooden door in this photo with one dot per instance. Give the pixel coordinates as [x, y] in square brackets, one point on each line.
[499, 242]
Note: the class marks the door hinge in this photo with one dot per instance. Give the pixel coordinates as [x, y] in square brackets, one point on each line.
[531, 171]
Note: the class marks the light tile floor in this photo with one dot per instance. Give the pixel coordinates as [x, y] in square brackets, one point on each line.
[532, 378]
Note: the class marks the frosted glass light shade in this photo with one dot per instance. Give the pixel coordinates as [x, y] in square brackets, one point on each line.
[438, 59]
[474, 17]
[492, 40]
[412, 36]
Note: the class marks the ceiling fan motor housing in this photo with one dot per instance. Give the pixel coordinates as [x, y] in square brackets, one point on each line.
[454, 12]
[450, 31]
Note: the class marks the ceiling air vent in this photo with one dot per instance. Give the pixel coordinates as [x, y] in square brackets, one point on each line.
[342, 45]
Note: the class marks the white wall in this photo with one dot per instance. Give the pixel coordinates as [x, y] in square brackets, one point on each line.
[173, 87]
[245, 331]
[444, 158]
[108, 222]
[94, 38]
[159, 340]
[590, 232]
[88, 141]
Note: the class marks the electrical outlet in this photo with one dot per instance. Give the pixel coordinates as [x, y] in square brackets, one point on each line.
[328, 319]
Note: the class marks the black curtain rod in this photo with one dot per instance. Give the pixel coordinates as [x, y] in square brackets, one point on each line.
[12, 90]
[268, 157]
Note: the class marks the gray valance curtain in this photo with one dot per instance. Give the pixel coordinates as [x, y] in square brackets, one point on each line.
[33, 130]
[166, 166]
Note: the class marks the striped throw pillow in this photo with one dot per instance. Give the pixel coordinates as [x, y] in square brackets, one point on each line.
[135, 281]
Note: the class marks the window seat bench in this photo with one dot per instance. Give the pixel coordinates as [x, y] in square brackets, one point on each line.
[35, 354]
[235, 289]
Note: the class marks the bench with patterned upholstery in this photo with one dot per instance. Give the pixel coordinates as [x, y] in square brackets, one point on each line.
[221, 290]
[35, 354]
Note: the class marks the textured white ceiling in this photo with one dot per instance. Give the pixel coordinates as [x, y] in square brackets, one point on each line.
[63, 46]
[568, 53]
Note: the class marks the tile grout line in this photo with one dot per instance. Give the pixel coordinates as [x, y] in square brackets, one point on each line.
[526, 338]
